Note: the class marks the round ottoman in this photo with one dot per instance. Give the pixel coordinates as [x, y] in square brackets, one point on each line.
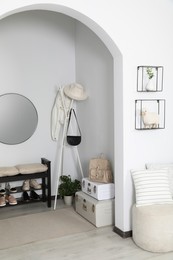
[153, 227]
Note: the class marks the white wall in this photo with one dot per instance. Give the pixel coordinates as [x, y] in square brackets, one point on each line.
[142, 30]
[94, 68]
[37, 51]
[40, 51]
[146, 41]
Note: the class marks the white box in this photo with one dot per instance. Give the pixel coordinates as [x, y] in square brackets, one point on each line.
[97, 190]
[99, 213]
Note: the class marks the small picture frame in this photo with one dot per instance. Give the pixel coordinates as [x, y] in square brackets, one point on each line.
[149, 114]
[149, 78]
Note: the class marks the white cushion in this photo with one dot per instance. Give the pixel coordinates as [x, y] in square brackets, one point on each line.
[31, 168]
[152, 187]
[161, 166]
[8, 171]
[158, 166]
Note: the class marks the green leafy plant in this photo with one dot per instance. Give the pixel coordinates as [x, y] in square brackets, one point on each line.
[68, 187]
[150, 72]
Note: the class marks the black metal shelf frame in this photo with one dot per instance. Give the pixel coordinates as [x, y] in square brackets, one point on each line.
[143, 78]
[154, 106]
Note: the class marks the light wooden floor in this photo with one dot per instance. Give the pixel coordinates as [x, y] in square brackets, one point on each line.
[101, 243]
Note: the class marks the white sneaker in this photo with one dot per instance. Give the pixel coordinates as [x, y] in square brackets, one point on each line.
[34, 184]
[26, 186]
[9, 188]
[2, 192]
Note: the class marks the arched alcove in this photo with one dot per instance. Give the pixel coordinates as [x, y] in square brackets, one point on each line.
[117, 83]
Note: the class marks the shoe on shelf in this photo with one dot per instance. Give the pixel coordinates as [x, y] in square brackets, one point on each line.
[2, 192]
[34, 195]
[26, 186]
[2, 201]
[9, 188]
[34, 184]
[10, 199]
[13, 190]
[25, 196]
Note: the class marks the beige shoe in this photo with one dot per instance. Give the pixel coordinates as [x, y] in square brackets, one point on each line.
[11, 200]
[26, 185]
[2, 201]
[34, 184]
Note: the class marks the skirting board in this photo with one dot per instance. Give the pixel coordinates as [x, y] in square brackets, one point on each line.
[122, 233]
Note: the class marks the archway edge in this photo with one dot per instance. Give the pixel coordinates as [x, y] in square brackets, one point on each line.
[14, 7]
[7, 10]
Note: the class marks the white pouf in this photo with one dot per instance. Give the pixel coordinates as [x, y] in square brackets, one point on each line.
[153, 227]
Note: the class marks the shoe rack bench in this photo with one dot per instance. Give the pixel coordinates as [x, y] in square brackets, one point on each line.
[45, 185]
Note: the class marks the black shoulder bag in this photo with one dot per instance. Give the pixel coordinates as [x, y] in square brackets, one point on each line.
[73, 139]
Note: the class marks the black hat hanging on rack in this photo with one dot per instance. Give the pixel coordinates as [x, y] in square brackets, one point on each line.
[72, 139]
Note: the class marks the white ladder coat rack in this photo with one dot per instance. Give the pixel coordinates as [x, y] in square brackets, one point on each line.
[61, 156]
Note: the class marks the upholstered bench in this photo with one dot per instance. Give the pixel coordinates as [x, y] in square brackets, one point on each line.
[30, 171]
[152, 215]
[22, 169]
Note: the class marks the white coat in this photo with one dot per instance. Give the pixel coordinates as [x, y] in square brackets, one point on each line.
[58, 116]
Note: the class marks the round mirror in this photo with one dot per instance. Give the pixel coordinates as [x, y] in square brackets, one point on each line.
[18, 118]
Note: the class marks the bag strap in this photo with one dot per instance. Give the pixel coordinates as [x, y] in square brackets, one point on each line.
[72, 110]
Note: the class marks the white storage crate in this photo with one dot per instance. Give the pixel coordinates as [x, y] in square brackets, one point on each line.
[97, 190]
[99, 213]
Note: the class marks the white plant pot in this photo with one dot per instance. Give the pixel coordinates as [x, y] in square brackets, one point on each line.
[68, 200]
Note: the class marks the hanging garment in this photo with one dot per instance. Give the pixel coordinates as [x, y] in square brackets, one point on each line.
[60, 108]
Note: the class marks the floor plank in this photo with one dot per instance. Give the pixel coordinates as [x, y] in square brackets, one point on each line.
[101, 243]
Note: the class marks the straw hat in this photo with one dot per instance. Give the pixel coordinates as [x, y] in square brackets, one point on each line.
[75, 91]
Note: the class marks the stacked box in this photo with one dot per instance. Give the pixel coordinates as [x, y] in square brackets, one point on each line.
[99, 213]
[97, 190]
[96, 202]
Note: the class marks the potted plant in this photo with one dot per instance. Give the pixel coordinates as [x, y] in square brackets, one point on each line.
[68, 188]
[150, 84]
